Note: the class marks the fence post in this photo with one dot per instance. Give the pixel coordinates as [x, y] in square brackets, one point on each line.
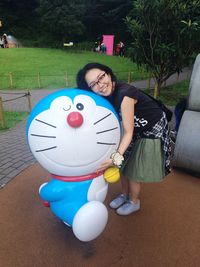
[29, 101]
[39, 80]
[11, 79]
[2, 119]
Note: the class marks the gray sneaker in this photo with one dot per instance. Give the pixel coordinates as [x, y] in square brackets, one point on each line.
[128, 208]
[118, 201]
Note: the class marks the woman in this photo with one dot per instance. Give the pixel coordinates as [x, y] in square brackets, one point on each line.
[143, 152]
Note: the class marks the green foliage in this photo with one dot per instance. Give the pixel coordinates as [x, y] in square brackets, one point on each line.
[106, 17]
[164, 34]
[173, 94]
[61, 19]
[49, 23]
[18, 17]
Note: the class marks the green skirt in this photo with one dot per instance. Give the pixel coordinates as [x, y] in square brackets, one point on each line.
[146, 162]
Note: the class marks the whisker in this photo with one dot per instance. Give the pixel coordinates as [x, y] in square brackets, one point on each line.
[109, 144]
[107, 130]
[49, 148]
[102, 118]
[46, 136]
[46, 123]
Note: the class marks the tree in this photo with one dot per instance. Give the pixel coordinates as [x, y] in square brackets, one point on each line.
[18, 17]
[106, 17]
[61, 19]
[52, 22]
[164, 35]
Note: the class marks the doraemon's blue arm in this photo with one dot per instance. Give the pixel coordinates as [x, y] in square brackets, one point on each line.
[53, 191]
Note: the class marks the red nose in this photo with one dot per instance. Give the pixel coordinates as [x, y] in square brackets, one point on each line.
[75, 119]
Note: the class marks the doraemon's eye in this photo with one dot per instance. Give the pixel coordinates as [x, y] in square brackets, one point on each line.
[61, 103]
[79, 106]
[85, 104]
[67, 108]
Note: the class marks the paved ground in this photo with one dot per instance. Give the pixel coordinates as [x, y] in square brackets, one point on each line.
[164, 233]
[14, 152]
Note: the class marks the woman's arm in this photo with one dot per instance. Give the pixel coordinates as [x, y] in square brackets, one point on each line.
[127, 113]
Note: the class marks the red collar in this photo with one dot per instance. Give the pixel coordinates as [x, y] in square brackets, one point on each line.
[77, 178]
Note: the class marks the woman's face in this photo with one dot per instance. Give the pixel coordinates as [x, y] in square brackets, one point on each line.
[99, 81]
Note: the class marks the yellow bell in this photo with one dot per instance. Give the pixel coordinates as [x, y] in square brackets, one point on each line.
[112, 175]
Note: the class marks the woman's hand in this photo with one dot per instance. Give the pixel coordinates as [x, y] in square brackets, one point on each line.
[108, 163]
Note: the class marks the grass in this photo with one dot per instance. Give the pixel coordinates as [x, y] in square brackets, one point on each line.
[12, 118]
[53, 64]
[30, 68]
[171, 95]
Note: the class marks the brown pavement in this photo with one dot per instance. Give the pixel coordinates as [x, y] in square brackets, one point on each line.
[164, 233]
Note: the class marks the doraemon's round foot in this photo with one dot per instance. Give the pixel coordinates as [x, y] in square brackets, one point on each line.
[90, 221]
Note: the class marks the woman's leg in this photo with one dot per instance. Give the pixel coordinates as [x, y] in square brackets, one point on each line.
[134, 188]
[133, 204]
[125, 185]
[123, 196]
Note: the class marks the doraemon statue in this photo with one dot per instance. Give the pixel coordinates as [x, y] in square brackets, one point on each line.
[71, 132]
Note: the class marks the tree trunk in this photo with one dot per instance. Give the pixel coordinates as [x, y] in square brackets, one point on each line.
[157, 89]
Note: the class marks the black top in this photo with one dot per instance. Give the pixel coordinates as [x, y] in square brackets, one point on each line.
[147, 111]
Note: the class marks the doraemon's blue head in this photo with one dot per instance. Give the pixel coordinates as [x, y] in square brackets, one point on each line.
[71, 132]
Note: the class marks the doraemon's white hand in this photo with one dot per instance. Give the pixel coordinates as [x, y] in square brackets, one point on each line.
[106, 164]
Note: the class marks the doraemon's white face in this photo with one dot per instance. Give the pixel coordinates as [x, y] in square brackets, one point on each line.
[73, 138]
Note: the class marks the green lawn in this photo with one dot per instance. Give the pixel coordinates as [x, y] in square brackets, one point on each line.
[29, 68]
[53, 64]
[171, 95]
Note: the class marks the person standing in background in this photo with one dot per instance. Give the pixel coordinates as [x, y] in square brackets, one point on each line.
[5, 40]
[122, 49]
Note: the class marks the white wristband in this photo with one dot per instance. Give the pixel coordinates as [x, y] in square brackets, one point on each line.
[117, 159]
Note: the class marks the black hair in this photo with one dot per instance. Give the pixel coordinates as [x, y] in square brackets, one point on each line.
[80, 77]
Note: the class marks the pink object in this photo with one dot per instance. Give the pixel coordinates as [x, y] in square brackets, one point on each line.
[108, 40]
[75, 119]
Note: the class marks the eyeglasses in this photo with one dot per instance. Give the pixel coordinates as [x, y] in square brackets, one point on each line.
[99, 80]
